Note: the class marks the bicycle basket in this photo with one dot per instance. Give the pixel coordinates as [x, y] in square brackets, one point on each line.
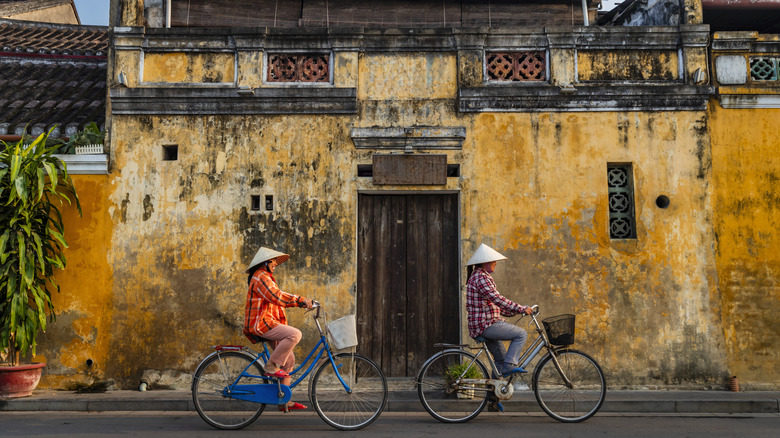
[343, 332]
[560, 329]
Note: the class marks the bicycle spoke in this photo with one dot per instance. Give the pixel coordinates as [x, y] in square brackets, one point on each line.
[439, 394]
[570, 404]
[349, 410]
[212, 377]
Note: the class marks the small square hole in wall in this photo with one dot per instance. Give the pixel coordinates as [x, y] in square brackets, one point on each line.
[365, 170]
[170, 152]
[255, 203]
[269, 202]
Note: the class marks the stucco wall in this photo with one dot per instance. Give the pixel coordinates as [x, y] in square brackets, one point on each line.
[532, 185]
[747, 199]
[77, 346]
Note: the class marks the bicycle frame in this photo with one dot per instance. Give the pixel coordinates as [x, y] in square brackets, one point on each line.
[503, 388]
[257, 393]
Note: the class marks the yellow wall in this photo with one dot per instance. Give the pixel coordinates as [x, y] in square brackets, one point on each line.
[182, 67]
[84, 306]
[533, 185]
[747, 219]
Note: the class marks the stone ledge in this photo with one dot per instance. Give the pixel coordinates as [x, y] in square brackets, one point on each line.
[585, 98]
[199, 101]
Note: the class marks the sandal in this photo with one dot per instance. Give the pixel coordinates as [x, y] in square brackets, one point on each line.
[292, 407]
[279, 374]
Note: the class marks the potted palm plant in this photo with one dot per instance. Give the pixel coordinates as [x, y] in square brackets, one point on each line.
[33, 185]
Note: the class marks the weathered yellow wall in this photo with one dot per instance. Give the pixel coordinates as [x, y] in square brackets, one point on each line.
[59, 14]
[645, 65]
[747, 220]
[84, 306]
[533, 186]
[183, 67]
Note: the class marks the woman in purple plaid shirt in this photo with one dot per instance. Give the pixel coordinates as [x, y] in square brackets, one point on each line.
[485, 307]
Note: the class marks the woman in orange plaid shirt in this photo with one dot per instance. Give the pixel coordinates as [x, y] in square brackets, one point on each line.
[265, 318]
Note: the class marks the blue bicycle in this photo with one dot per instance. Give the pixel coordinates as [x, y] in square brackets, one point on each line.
[348, 391]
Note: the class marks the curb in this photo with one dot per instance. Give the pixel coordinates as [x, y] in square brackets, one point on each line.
[646, 402]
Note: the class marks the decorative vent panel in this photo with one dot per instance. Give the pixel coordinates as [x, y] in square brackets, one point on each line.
[298, 67]
[764, 69]
[622, 223]
[515, 66]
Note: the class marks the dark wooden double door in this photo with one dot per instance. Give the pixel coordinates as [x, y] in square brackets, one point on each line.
[408, 282]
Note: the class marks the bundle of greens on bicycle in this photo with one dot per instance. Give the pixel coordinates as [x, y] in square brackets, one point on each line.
[454, 385]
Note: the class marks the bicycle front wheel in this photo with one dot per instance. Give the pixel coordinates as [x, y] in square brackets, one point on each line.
[355, 406]
[441, 397]
[213, 376]
[575, 403]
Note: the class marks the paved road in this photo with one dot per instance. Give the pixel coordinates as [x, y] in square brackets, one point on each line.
[390, 424]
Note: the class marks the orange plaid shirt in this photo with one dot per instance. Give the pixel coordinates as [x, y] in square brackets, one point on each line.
[265, 304]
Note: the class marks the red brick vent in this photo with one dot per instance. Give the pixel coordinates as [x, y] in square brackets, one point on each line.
[515, 66]
[298, 67]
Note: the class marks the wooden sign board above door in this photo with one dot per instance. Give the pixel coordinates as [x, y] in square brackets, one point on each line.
[410, 169]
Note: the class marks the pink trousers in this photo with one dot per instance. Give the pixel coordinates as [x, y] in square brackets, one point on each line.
[285, 338]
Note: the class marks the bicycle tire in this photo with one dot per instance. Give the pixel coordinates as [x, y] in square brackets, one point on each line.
[583, 399]
[349, 410]
[214, 374]
[444, 401]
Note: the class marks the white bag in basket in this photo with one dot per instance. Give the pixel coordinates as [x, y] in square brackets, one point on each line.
[343, 332]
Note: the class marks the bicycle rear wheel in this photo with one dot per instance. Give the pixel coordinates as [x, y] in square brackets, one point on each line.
[353, 409]
[446, 401]
[570, 404]
[210, 379]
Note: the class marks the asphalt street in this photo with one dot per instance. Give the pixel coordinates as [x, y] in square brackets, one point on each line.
[390, 424]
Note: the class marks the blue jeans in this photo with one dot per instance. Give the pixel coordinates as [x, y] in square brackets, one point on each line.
[504, 331]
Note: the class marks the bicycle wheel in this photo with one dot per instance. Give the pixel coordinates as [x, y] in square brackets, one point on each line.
[442, 399]
[353, 409]
[570, 404]
[210, 379]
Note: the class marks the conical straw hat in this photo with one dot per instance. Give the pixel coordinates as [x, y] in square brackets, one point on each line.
[485, 254]
[264, 254]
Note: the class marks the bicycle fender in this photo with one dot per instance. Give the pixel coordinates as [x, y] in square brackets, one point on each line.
[268, 394]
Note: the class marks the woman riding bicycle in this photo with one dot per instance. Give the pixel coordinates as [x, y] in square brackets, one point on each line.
[485, 306]
[264, 316]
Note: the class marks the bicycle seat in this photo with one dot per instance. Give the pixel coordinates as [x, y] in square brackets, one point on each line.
[480, 339]
[256, 339]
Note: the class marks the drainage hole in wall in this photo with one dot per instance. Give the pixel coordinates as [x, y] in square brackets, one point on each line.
[662, 201]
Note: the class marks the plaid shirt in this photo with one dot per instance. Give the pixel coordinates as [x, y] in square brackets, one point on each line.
[484, 304]
[265, 304]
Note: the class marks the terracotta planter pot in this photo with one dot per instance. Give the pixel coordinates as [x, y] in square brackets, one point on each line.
[19, 381]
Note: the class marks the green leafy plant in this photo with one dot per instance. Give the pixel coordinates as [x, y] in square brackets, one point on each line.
[454, 371]
[33, 184]
[90, 135]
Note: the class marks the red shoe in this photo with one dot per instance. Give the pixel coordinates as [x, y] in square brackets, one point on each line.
[292, 407]
[279, 374]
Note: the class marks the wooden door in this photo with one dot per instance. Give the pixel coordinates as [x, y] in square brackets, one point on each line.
[408, 283]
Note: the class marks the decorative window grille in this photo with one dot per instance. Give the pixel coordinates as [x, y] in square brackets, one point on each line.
[764, 69]
[622, 222]
[515, 66]
[298, 67]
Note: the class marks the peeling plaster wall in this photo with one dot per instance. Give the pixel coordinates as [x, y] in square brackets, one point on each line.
[533, 185]
[747, 220]
[184, 234]
[84, 306]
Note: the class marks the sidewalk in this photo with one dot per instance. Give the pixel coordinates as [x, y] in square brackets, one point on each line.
[646, 402]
